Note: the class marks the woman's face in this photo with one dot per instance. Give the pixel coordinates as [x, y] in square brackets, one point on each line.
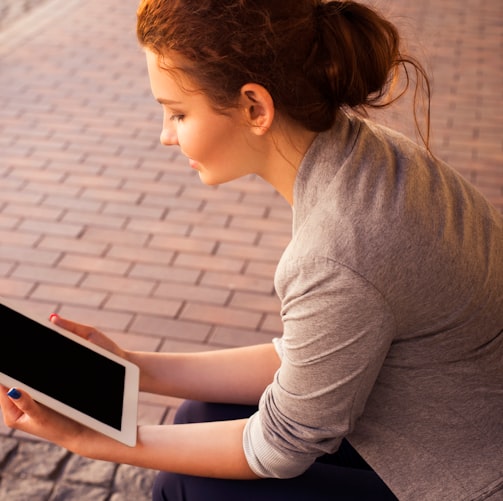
[216, 145]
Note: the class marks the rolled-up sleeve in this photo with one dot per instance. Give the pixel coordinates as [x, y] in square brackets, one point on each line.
[337, 332]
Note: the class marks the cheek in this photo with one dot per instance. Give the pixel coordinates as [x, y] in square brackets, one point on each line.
[193, 141]
[204, 142]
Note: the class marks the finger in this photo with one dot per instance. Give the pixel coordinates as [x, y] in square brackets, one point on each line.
[26, 406]
[87, 332]
[81, 330]
[14, 393]
[21, 412]
[23, 401]
[11, 410]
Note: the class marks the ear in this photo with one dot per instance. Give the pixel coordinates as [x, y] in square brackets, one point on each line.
[258, 107]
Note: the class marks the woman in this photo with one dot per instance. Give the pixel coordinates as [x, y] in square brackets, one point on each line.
[387, 381]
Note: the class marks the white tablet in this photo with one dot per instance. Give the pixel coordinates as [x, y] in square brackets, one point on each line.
[69, 374]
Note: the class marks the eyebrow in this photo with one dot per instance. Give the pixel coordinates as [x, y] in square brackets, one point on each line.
[167, 101]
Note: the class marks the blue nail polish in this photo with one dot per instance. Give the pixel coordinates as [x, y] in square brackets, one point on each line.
[14, 393]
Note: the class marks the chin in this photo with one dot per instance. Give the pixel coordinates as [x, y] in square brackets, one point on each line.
[210, 180]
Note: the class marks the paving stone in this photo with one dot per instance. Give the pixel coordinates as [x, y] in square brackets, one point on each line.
[132, 483]
[192, 292]
[70, 295]
[89, 471]
[231, 337]
[32, 489]
[233, 281]
[79, 492]
[165, 272]
[46, 274]
[268, 303]
[220, 315]
[27, 255]
[7, 445]
[16, 288]
[12, 10]
[163, 327]
[36, 459]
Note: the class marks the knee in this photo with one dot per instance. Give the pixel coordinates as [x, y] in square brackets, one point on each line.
[190, 411]
[167, 487]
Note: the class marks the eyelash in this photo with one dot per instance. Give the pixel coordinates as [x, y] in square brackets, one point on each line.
[176, 118]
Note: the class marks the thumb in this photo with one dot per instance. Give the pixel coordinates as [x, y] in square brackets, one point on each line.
[21, 412]
[9, 400]
[14, 393]
[23, 402]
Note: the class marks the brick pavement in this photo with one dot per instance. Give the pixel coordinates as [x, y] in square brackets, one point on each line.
[12, 10]
[101, 224]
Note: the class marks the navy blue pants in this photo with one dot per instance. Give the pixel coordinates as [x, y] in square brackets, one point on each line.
[341, 476]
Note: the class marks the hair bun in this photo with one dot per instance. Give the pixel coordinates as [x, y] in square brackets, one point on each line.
[359, 50]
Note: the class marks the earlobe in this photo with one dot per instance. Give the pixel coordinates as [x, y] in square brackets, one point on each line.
[258, 107]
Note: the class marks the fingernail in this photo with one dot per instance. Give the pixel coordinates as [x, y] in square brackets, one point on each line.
[53, 315]
[14, 393]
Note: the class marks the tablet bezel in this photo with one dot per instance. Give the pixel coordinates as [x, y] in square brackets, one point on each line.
[127, 434]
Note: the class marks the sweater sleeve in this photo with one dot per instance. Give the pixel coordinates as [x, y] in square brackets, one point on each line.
[337, 332]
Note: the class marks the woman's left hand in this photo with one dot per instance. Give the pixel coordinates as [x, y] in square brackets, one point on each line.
[24, 414]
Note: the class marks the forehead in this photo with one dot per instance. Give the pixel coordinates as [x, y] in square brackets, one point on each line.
[166, 80]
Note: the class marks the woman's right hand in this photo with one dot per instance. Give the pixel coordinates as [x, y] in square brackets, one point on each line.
[89, 333]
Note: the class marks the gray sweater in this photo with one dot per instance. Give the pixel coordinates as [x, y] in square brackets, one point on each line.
[392, 306]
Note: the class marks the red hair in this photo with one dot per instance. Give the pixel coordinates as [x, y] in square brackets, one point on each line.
[313, 56]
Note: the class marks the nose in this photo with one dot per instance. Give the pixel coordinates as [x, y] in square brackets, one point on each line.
[168, 136]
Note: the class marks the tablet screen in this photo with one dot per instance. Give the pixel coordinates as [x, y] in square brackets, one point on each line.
[61, 368]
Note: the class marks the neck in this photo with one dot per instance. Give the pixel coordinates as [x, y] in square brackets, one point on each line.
[286, 149]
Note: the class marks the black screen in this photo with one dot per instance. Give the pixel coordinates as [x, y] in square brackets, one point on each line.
[61, 368]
